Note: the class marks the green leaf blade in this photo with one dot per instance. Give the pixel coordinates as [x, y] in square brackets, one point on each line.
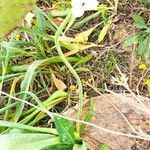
[139, 22]
[103, 147]
[130, 40]
[144, 48]
[65, 130]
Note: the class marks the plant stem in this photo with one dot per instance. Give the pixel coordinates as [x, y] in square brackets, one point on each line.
[56, 39]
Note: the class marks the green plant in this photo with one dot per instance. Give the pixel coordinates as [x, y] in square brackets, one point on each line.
[21, 138]
[36, 45]
[141, 39]
[145, 1]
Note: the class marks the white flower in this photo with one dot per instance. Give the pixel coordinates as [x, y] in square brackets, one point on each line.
[80, 6]
[120, 80]
[28, 18]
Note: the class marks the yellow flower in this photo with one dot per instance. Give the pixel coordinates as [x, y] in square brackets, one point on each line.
[147, 82]
[72, 87]
[85, 94]
[123, 79]
[35, 21]
[143, 67]
[83, 81]
[120, 80]
[18, 36]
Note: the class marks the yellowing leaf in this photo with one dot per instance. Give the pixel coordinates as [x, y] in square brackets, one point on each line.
[83, 36]
[67, 39]
[58, 83]
[12, 90]
[77, 47]
[104, 31]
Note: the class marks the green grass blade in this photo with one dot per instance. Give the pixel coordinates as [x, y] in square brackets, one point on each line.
[26, 127]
